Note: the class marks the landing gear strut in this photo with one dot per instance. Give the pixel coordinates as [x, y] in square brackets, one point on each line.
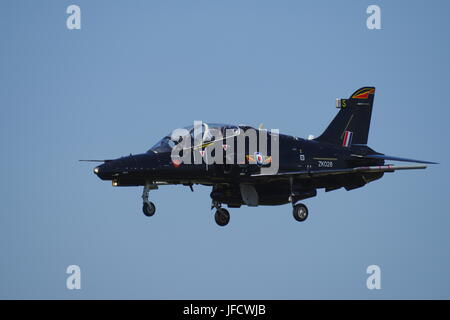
[300, 212]
[222, 216]
[148, 207]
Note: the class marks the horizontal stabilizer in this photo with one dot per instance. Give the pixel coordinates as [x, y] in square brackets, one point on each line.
[386, 157]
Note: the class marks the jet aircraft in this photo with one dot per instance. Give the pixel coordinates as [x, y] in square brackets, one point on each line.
[338, 158]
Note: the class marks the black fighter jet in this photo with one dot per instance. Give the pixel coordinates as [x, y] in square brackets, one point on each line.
[255, 166]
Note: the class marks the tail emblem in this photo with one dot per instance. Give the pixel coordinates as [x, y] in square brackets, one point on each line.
[347, 142]
[363, 93]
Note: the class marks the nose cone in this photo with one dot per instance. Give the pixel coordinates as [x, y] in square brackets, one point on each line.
[102, 170]
[111, 169]
[130, 167]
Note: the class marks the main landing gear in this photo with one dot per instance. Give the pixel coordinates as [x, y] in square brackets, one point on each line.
[148, 207]
[222, 216]
[300, 212]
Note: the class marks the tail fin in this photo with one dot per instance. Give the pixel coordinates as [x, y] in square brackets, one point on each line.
[351, 124]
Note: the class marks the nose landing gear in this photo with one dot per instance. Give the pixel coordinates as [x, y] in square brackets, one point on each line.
[222, 216]
[148, 207]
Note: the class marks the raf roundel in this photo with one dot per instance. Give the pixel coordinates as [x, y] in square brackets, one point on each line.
[259, 158]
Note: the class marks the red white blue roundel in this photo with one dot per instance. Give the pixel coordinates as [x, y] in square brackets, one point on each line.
[259, 158]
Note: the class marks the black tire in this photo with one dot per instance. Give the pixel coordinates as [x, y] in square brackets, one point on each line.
[300, 212]
[149, 209]
[222, 217]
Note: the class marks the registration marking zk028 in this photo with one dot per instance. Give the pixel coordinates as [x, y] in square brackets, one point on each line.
[326, 164]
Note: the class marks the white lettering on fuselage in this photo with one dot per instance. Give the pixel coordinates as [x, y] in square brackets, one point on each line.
[325, 164]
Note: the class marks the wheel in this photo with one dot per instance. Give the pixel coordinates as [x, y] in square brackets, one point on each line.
[300, 212]
[222, 217]
[149, 209]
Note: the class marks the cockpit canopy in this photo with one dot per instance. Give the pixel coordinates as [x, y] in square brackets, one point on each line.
[205, 133]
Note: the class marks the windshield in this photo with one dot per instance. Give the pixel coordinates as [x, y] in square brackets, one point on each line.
[204, 133]
[163, 145]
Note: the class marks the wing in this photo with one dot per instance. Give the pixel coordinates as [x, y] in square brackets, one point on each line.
[326, 172]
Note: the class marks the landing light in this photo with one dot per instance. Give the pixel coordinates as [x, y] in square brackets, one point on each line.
[96, 170]
[115, 183]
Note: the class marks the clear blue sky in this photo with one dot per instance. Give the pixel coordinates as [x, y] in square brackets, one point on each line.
[138, 69]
